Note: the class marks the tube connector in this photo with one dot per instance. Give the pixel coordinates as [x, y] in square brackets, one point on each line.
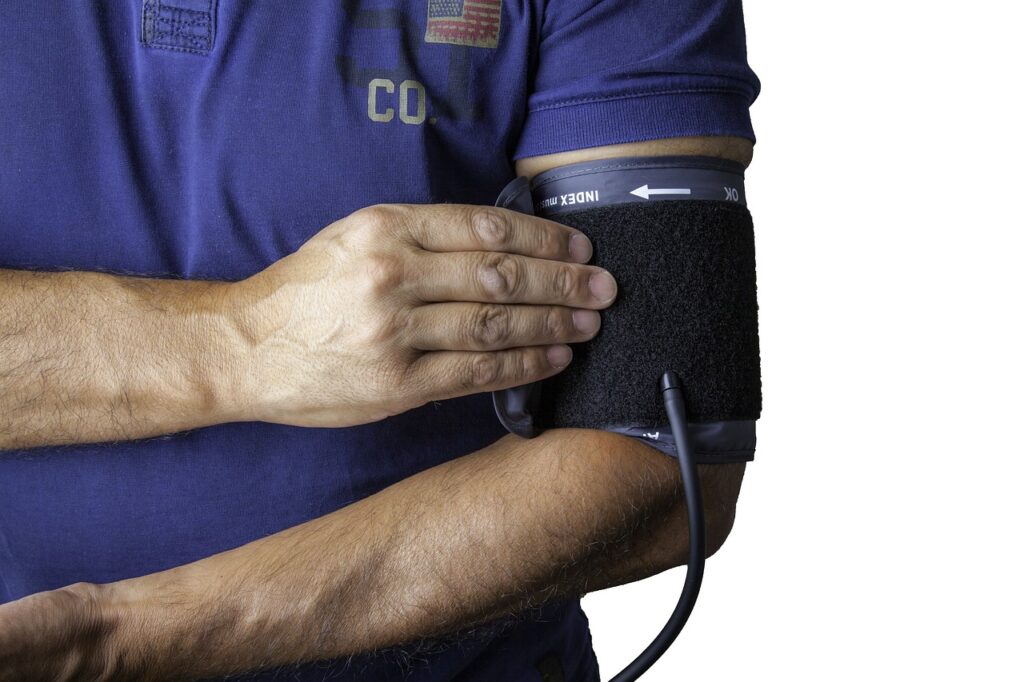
[670, 380]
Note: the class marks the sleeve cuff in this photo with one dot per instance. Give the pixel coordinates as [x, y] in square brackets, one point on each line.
[597, 122]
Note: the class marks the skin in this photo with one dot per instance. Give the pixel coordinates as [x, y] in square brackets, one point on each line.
[434, 310]
[380, 312]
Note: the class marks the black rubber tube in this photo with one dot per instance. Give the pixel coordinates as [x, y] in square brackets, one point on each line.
[675, 406]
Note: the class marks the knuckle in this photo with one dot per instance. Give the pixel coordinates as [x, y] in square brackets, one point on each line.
[492, 326]
[549, 242]
[391, 325]
[492, 227]
[528, 365]
[483, 370]
[567, 282]
[501, 275]
[383, 271]
[360, 229]
[368, 224]
[369, 218]
[554, 324]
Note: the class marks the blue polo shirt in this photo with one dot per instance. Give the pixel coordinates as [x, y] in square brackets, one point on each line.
[210, 138]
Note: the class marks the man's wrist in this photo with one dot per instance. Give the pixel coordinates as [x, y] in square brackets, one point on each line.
[133, 636]
[226, 371]
[90, 634]
[147, 626]
[199, 620]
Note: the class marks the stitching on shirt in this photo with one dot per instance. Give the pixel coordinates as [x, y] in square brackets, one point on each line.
[180, 29]
[178, 20]
[636, 93]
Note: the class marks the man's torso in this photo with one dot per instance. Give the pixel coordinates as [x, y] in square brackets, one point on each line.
[206, 139]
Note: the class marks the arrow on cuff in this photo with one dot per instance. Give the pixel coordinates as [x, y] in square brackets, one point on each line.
[644, 192]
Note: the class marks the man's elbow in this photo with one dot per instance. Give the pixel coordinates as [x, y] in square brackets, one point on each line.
[720, 488]
[667, 535]
[649, 482]
[721, 517]
[637, 524]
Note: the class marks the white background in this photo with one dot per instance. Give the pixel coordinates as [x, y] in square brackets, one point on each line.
[879, 532]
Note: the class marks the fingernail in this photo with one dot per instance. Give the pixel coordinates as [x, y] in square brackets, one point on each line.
[580, 248]
[559, 356]
[602, 286]
[586, 321]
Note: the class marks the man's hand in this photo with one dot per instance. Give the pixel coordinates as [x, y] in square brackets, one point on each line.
[397, 305]
[383, 311]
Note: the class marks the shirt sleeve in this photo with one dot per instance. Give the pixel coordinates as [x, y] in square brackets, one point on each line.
[615, 71]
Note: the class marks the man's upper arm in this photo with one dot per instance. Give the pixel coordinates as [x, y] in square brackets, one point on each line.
[720, 482]
[643, 78]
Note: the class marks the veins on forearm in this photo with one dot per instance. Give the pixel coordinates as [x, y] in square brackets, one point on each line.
[87, 357]
[474, 543]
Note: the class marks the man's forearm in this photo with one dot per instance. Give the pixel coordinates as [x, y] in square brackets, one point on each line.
[464, 542]
[88, 357]
[378, 313]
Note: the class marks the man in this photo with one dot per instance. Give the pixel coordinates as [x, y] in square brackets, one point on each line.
[335, 486]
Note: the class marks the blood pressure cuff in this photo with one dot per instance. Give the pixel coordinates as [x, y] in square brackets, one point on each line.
[676, 235]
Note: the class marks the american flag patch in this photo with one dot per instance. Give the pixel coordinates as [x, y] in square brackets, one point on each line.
[463, 22]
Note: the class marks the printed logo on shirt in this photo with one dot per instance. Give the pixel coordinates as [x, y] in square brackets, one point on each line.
[395, 94]
[474, 23]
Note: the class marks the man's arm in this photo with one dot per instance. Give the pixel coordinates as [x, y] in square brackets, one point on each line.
[510, 526]
[382, 311]
[485, 535]
[514, 524]
[89, 356]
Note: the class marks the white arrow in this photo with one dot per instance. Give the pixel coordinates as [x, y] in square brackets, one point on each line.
[645, 193]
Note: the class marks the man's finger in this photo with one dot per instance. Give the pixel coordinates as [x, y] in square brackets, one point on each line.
[507, 278]
[484, 228]
[489, 326]
[450, 374]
